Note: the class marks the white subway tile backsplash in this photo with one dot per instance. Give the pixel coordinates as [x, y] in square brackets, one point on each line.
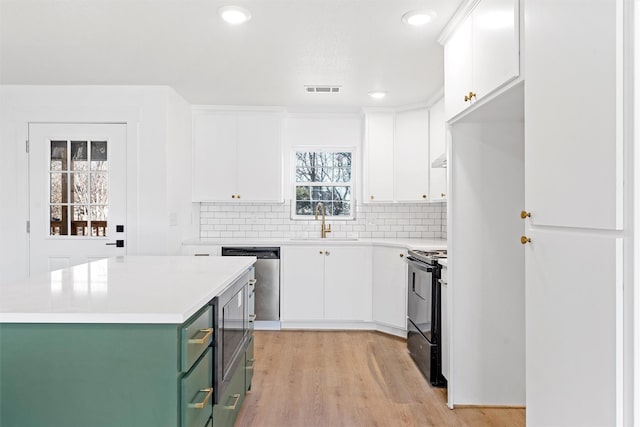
[264, 220]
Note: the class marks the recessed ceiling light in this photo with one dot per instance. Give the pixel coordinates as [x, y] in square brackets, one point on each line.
[234, 14]
[418, 18]
[378, 94]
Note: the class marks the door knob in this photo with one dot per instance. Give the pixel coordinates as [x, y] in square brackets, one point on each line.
[524, 240]
[525, 214]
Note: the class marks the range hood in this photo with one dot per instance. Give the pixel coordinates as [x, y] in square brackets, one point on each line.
[440, 161]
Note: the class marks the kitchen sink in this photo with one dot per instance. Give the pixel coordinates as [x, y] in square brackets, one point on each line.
[328, 239]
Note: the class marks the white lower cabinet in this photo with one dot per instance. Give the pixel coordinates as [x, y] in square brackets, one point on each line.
[326, 283]
[390, 287]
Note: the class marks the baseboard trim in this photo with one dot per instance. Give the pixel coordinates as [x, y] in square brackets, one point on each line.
[456, 406]
[325, 325]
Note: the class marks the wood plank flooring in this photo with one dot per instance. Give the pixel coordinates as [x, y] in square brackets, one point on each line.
[346, 378]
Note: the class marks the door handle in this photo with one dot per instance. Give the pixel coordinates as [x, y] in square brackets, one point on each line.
[117, 244]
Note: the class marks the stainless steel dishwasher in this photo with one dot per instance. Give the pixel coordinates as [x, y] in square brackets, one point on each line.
[267, 288]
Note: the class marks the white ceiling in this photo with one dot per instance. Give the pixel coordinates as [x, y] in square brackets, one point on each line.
[361, 45]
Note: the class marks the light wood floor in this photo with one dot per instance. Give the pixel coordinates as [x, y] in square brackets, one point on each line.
[309, 378]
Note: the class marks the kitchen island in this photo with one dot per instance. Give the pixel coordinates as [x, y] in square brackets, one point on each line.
[124, 341]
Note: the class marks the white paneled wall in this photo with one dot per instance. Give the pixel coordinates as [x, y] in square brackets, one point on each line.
[262, 221]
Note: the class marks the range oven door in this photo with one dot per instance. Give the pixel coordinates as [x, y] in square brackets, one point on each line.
[420, 307]
[424, 353]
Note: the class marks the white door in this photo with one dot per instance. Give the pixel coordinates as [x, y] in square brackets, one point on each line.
[412, 156]
[347, 283]
[302, 283]
[380, 158]
[77, 194]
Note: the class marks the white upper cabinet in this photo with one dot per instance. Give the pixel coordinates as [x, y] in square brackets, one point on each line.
[482, 54]
[397, 156]
[379, 157]
[573, 107]
[412, 155]
[457, 69]
[237, 156]
[437, 148]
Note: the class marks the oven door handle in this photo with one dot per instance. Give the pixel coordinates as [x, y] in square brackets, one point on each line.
[418, 264]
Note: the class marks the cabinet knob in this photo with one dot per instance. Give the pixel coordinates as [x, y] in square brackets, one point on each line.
[321, 252]
[238, 196]
[371, 197]
[233, 196]
[524, 240]
[469, 97]
[424, 196]
[327, 253]
[401, 255]
[442, 194]
[525, 214]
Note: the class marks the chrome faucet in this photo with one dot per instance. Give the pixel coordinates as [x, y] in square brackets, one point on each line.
[325, 228]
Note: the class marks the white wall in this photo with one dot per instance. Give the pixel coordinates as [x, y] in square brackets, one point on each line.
[321, 130]
[155, 118]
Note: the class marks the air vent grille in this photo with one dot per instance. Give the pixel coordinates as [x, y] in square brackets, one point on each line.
[323, 89]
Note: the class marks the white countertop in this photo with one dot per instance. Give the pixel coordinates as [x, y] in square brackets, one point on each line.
[132, 289]
[443, 262]
[420, 244]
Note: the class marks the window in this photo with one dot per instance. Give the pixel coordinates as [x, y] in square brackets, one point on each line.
[78, 196]
[323, 177]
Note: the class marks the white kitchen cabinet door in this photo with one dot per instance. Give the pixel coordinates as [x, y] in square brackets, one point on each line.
[496, 45]
[412, 156]
[214, 156]
[390, 287]
[572, 283]
[457, 69]
[437, 147]
[379, 173]
[573, 99]
[302, 283]
[347, 283]
[259, 157]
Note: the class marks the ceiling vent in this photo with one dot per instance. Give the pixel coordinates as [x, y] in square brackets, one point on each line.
[322, 89]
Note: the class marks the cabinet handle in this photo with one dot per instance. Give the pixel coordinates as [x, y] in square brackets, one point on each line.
[233, 407]
[524, 240]
[469, 97]
[371, 197]
[253, 281]
[442, 194]
[401, 255]
[525, 214]
[424, 196]
[208, 332]
[233, 196]
[238, 196]
[321, 252]
[250, 367]
[327, 253]
[201, 405]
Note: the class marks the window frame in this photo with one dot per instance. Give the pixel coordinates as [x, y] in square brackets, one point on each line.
[294, 183]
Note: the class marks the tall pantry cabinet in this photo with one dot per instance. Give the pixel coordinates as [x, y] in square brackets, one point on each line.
[576, 135]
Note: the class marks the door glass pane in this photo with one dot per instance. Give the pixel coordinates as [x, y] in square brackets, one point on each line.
[99, 184]
[58, 223]
[80, 188]
[99, 213]
[79, 156]
[58, 187]
[99, 155]
[58, 155]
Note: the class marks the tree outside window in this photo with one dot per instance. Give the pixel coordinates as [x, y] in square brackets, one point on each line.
[324, 177]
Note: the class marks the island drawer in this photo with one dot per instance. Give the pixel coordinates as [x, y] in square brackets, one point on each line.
[195, 336]
[197, 393]
[226, 411]
[249, 364]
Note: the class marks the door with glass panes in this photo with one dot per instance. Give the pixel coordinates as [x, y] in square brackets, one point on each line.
[77, 194]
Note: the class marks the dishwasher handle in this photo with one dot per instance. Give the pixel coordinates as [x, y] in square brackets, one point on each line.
[258, 252]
